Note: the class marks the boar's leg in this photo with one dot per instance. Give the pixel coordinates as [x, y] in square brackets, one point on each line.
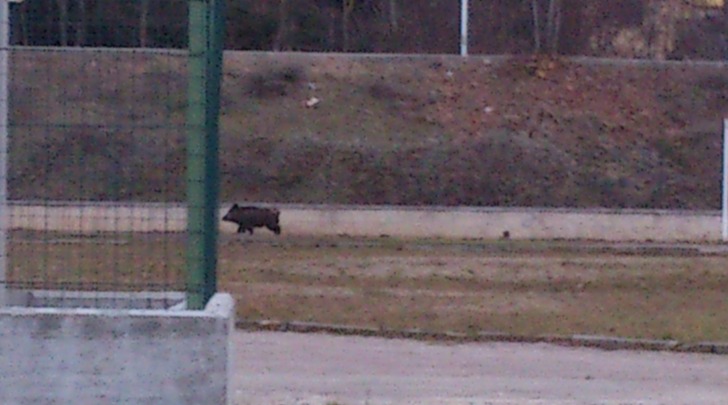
[274, 228]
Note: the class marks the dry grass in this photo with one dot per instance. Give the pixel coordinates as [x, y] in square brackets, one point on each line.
[501, 286]
[525, 288]
[388, 130]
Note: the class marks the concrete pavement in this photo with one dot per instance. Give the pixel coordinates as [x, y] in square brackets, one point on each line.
[290, 368]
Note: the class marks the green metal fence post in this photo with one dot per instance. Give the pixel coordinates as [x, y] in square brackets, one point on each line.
[205, 71]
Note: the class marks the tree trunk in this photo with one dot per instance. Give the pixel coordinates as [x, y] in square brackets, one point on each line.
[553, 26]
[348, 7]
[143, 18]
[81, 23]
[500, 17]
[48, 35]
[96, 20]
[572, 24]
[536, 27]
[23, 24]
[63, 21]
[662, 23]
[546, 32]
[393, 18]
[331, 32]
[281, 37]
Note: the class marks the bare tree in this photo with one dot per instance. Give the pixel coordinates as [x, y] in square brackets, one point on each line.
[143, 23]
[553, 26]
[81, 23]
[347, 9]
[22, 27]
[393, 15]
[331, 31]
[281, 36]
[63, 21]
[661, 24]
[546, 33]
[536, 27]
[574, 30]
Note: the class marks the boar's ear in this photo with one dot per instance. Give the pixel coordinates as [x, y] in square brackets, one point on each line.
[235, 206]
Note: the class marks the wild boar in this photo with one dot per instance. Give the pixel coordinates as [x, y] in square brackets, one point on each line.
[250, 217]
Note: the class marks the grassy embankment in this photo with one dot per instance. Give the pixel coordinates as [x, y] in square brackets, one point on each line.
[432, 130]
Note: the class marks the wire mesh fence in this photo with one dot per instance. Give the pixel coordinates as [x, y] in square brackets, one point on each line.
[97, 159]
[98, 156]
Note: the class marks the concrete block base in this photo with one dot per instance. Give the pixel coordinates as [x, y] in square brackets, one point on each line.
[93, 348]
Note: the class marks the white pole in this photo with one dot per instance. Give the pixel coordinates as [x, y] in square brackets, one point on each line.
[725, 180]
[4, 42]
[463, 27]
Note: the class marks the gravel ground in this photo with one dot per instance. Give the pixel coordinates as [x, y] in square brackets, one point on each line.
[290, 368]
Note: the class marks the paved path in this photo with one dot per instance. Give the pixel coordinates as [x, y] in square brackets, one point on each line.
[289, 368]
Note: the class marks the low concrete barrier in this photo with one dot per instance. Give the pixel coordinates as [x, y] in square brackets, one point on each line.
[55, 353]
[494, 222]
[447, 222]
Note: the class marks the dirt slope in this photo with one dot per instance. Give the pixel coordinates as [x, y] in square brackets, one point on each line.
[384, 130]
[519, 131]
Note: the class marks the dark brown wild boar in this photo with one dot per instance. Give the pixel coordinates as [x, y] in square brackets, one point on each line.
[250, 217]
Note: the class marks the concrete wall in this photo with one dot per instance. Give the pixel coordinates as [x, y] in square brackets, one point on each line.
[520, 223]
[454, 222]
[112, 356]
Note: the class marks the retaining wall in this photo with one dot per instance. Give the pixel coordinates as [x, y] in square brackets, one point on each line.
[54, 354]
[519, 223]
[450, 222]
